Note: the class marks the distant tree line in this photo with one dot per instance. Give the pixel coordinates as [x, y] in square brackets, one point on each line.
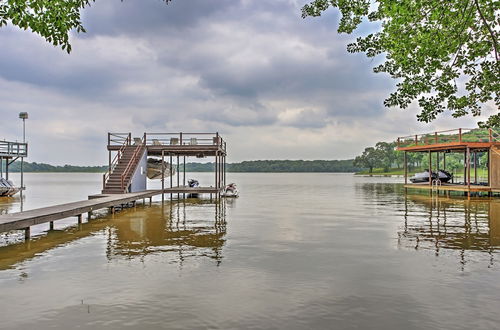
[281, 166]
[42, 167]
[246, 166]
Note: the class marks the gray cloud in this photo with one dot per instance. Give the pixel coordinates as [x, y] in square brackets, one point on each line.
[255, 71]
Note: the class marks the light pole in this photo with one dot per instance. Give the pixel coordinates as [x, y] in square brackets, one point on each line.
[23, 116]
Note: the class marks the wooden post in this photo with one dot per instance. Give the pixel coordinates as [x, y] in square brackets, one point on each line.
[89, 216]
[51, 225]
[460, 135]
[27, 233]
[79, 216]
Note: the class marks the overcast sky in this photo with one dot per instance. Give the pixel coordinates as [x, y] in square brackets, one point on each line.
[273, 85]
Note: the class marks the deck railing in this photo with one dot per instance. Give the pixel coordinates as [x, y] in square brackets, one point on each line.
[124, 139]
[184, 139]
[459, 135]
[13, 149]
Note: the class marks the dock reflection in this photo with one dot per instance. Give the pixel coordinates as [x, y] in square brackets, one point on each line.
[192, 228]
[450, 223]
[471, 229]
[183, 227]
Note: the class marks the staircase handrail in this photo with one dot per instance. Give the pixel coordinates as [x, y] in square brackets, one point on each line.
[131, 164]
[115, 160]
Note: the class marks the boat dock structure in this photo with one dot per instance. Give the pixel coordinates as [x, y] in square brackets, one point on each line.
[479, 150]
[125, 182]
[9, 153]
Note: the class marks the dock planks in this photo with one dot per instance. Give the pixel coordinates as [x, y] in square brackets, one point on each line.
[23, 220]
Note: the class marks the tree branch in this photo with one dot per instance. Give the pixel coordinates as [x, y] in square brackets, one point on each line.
[492, 33]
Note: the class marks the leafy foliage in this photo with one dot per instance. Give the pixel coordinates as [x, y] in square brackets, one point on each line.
[370, 159]
[445, 54]
[51, 19]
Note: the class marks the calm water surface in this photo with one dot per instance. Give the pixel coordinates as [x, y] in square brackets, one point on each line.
[295, 251]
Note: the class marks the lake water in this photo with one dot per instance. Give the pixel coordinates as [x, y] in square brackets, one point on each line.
[295, 251]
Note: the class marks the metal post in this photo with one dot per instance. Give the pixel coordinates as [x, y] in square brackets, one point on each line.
[468, 169]
[171, 177]
[465, 166]
[430, 168]
[184, 177]
[406, 167]
[475, 167]
[216, 185]
[162, 176]
[178, 173]
[22, 174]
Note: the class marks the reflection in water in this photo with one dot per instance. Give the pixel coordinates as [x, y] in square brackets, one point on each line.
[454, 224]
[8, 204]
[190, 229]
[440, 223]
[168, 229]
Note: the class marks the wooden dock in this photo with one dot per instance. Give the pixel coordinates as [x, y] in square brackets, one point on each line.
[24, 220]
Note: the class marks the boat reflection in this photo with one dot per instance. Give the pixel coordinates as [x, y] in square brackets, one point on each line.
[190, 229]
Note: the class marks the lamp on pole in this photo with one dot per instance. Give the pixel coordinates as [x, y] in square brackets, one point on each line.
[23, 116]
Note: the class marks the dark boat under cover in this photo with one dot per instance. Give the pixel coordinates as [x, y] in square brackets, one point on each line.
[423, 177]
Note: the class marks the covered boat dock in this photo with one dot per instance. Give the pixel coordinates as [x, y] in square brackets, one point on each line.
[472, 144]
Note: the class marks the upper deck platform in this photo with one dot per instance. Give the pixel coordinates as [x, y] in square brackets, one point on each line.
[182, 144]
[450, 140]
[13, 149]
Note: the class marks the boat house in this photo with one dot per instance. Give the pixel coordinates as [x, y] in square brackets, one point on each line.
[128, 161]
[477, 152]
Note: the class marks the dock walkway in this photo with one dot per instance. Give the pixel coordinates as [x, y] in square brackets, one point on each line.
[24, 220]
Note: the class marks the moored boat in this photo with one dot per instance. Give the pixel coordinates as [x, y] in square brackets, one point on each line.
[7, 188]
[424, 176]
[230, 191]
[155, 167]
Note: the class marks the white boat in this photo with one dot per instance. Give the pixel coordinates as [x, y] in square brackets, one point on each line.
[7, 188]
[230, 191]
[155, 168]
